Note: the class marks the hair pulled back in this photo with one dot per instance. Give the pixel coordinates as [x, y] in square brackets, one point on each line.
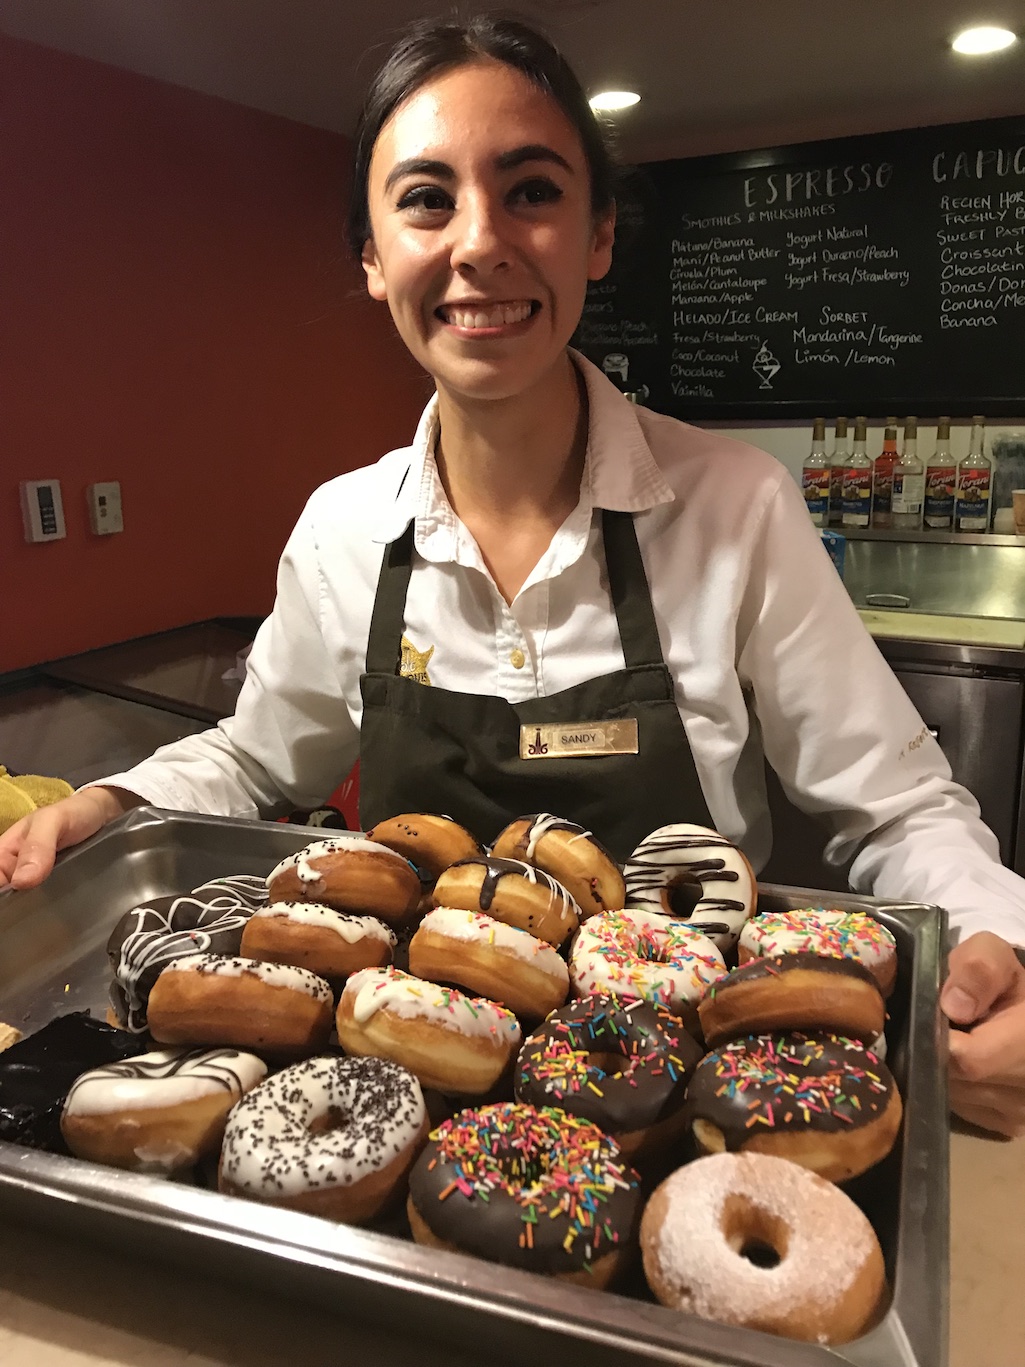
[432, 46]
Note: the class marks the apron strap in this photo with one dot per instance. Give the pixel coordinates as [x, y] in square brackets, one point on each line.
[628, 586]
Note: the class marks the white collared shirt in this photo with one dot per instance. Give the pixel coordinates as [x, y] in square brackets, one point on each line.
[763, 642]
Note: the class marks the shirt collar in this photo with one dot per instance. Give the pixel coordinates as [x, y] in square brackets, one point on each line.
[620, 471]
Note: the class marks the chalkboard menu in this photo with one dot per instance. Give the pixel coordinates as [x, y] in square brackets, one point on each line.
[873, 275]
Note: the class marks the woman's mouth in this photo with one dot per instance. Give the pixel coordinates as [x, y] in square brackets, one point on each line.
[487, 317]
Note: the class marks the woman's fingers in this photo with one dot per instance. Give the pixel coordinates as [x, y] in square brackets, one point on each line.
[981, 972]
[28, 849]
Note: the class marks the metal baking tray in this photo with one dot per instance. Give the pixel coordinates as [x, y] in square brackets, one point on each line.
[54, 960]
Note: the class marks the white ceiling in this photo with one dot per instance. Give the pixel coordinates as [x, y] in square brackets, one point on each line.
[715, 75]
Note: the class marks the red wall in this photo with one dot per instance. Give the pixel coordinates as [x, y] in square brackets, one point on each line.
[178, 313]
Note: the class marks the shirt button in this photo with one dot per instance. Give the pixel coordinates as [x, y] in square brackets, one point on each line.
[517, 659]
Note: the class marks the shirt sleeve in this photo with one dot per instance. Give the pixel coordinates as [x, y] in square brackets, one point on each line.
[291, 740]
[848, 744]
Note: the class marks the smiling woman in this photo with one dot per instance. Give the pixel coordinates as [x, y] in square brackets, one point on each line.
[568, 563]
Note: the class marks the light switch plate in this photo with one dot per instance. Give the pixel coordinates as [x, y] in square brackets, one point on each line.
[42, 510]
[105, 508]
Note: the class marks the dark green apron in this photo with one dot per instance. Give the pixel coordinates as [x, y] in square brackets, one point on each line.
[427, 749]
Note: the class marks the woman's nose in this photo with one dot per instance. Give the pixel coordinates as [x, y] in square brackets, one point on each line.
[479, 243]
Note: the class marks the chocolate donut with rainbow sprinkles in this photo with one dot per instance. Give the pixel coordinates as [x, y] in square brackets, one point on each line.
[531, 1188]
[694, 864]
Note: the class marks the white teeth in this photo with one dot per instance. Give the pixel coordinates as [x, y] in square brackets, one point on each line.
[500, 315]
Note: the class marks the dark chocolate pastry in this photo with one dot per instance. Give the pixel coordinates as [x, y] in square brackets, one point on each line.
[37, 1073]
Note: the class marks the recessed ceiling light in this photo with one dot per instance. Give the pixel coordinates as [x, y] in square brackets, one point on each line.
[610, 100]
[973, 42]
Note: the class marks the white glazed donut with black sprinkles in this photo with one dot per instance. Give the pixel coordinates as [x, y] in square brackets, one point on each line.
[682, 856]
[331, 1136]
[214, 999]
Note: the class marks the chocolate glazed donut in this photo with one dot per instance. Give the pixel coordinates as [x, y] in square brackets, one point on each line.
[820, 1100]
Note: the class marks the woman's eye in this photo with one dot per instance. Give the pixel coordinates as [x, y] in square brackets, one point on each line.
[429, 198]
[537, 191]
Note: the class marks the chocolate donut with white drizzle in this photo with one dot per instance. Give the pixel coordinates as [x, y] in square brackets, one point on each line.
[512, 891]
[152, 935]
[680, 857]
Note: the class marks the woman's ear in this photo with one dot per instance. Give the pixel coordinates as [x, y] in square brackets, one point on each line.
[376, 287]
[601, 246]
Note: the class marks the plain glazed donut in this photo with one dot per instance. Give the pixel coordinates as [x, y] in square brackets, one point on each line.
[453, 1042]
[430, 842]
[487, 956]
[158, 1112]
[349, 873]
[212, 999]
[755, 1241]
[571, 855]
[537, 1189]
[793, 992]
[149, 937]
[638, 954]
[821, 1101]
[676, 858]
[821, 930]
[334, 1137]
[622, 1065]
[308, 935]
[510, 891]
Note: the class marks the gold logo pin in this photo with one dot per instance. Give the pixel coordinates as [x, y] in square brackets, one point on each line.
[579, 739]
[413, 664]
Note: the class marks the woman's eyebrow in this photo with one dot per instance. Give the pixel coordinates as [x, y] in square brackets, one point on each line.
[505, 161]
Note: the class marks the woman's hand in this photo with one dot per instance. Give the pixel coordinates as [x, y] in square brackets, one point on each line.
[985, 989]
[28, 849]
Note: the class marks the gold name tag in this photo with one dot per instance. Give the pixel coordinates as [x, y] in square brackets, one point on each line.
[579, 739]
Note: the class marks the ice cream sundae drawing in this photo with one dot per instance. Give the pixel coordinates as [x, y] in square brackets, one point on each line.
[765, 366]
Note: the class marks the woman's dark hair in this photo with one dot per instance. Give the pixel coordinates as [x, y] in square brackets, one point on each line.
[429, 47]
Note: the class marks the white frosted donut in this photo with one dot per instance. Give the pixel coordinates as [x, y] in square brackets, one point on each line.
[329, 943]
[159, 1111]
[499, 961]
[824, 930]
[349, 873]
[451, 1041]
[214, 999]
[682, 856]
[747, 1239]
[638, 954]
[331, 1136]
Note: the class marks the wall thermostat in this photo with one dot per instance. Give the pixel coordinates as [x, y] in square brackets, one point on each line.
[42, 511]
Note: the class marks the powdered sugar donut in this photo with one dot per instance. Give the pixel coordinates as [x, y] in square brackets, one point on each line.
[331, 1136]
[750, 1240]
[449, 1040]
[349, 873]
[570, 854]
[678, 858]
[158, 1112]
[486, 956]
[826, 931]
[637, 954]
[214, 999]
[312, 936]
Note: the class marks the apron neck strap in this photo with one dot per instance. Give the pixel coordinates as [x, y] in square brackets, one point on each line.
[628, 586]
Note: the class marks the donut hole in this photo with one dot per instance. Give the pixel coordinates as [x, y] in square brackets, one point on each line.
[334, 1118]
[609, 1064]
[754, 1233]
[681, 895]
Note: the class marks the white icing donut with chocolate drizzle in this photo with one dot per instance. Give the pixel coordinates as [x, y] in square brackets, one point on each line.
[331, 1136]
[639, 954]
[157, 1112]
[682, 856]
